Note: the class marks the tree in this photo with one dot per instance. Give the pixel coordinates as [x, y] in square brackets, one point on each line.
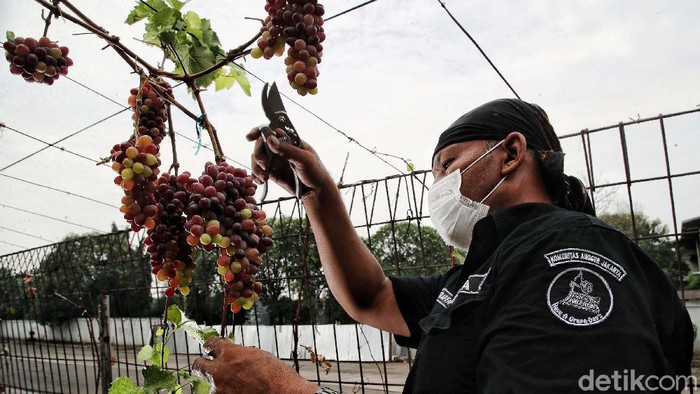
[81, 267]
[12, 294]
[650, 236]
[282, 272]
[204, 304]
[406, 249]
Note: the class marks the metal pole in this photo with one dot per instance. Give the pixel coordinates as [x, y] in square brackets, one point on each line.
[105, 348]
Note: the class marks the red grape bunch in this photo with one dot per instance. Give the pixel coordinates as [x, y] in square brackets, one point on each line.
[299, 24]
[171, 255]
[136, 162]
[223, 212]
[149, 110]
[41, 60]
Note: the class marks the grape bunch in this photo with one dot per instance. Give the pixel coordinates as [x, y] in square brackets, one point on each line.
[298, 24]
[41, 60]
[149, 110]
[136, 162]
[223, 212]
[171, 255]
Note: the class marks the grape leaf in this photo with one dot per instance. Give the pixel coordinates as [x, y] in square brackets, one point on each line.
[199, 333]
[156, 379]
[124, 385]
[160, 355]
[145, 353]
[177, 4]
[10, 36]
[238, 73]
[159, 332]
[199, 385]
[222, 80]
[174, 315]
[232, 336]
[194, 24]
[144, 9]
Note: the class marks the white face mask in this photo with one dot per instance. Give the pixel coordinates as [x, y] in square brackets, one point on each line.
[453, 214]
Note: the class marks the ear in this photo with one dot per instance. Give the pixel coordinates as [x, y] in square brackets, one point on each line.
[515, 148]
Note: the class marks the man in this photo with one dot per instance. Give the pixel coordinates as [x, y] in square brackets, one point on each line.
[549, 299]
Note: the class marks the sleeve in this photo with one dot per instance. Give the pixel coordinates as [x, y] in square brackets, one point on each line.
[415, 297]
[577, 310]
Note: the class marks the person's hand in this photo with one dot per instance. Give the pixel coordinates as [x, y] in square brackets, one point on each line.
[242, 369]
[311, 172]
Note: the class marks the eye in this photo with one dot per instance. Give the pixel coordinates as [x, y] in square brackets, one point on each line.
[446, 164]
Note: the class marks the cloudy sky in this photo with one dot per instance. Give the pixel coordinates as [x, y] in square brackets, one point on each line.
[394, 75]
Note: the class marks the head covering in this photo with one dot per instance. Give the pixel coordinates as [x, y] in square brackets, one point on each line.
[496, 119]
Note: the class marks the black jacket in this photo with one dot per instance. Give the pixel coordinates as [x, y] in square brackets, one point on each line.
[547, 301]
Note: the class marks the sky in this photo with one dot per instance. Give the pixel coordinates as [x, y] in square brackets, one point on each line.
[394, 75]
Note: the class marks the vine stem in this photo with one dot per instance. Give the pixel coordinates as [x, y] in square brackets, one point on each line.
[171, 134]
[218, 154]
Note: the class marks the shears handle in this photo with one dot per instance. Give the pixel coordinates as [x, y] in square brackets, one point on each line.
[265, 133]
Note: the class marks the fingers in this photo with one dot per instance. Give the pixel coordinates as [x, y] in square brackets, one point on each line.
[202, 366]
[215, 346]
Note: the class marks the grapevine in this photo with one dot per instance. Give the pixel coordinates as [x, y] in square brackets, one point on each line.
[299, 25]
[41, 61]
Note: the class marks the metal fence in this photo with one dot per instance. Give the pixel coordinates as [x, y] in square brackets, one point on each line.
[49, 328]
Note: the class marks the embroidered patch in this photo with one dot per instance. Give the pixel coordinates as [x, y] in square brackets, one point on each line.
[574, 255]
[471, 286]
[580, 297]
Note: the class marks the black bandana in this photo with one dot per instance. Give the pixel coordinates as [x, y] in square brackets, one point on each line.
[496, 119]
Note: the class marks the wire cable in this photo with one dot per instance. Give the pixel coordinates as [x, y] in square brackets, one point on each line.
[28, 235]
[59, 190]
[349, 10]
[50, 145]
[52, 218]
[15, 245]
[477, 47]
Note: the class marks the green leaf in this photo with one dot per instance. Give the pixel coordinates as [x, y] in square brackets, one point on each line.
[124, 385]
[199, 333]
[10, 36]
[222, 80]
[144, 9]
[410, 166]
[174, 315]
[194, 24]
[176, 4]
[231, 336]
[238, 73]
[199, 385]
[145, 353]
[160, 355]
[159, 332]
[156, 379]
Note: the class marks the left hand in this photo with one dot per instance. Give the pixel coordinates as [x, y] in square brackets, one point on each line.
[244, 369]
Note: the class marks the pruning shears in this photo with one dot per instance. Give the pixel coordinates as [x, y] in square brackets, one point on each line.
[277, 115]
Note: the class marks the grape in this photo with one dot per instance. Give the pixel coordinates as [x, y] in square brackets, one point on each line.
[150, 115]
[222, 212]
[297, 24]
[171, 254]
[138, 180]
[37, 60]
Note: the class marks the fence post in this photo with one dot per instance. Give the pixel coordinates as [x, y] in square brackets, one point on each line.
[105, 346]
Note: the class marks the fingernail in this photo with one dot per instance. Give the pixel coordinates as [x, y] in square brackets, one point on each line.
[273, 140]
